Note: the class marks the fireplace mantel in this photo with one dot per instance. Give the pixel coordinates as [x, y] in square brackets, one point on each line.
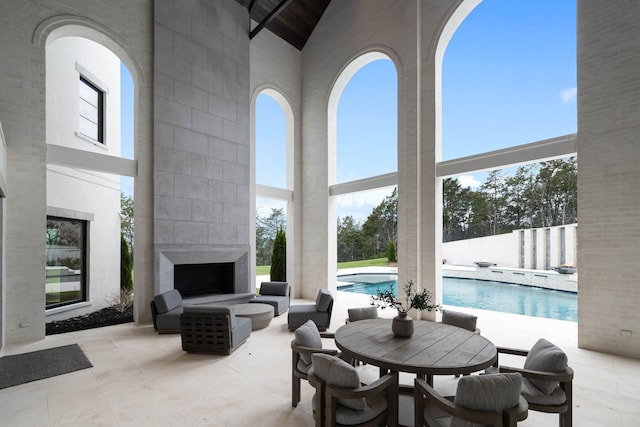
[168, 258]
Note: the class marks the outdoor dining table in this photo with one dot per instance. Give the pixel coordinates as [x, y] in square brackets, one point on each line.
[433, 349]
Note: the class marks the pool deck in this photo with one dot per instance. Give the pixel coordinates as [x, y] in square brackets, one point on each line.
[140, 378]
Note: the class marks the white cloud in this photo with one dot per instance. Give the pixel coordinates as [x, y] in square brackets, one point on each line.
[264, 206]
[366, 198]
[359, 205]
[569, 94]
[468, 181]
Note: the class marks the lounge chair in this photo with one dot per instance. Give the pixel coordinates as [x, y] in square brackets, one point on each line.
[320, 312]
[277, 294]
[166, 309]
[212, 329]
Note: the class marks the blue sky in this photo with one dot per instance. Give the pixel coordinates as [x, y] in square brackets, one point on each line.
[126, 124]
[508, 78]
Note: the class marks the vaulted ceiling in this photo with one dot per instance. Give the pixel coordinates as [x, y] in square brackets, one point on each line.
[291, 20]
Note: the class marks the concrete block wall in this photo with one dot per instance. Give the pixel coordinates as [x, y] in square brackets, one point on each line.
[608, 176]
[201, 126]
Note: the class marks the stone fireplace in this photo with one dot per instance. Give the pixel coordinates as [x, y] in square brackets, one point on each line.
[204, 279]
[208, 272]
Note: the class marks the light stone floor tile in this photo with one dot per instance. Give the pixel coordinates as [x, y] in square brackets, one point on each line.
[141, 378]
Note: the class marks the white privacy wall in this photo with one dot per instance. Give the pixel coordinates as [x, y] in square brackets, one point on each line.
[529, 248]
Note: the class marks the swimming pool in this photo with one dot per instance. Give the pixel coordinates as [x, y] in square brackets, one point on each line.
[481, 294]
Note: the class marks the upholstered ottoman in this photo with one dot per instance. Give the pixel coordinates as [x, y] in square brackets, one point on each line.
[260, 314]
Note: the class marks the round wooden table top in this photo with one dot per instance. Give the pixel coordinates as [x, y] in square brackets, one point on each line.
[433, 349]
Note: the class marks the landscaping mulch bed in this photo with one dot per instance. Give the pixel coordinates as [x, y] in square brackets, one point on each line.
[105, 317]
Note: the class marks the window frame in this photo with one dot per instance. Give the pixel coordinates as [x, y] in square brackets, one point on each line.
[100, 107]
[83, 291]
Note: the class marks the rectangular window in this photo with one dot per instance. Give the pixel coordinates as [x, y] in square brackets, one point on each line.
[66, 255]
[91, 111]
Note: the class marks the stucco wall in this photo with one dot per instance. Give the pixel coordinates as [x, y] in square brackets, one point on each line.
[87, 192]
[510, 250]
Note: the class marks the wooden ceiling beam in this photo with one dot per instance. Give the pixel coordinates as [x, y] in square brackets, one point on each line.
[275, 12]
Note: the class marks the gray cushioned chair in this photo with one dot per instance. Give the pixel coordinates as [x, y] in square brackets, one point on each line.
[166, 309]
[341, 400]
[547, 383]
[320, 312]
[212, 329]
[307, 341]
[361, 313]
[480, 400]
[277, 294]
[461, 320]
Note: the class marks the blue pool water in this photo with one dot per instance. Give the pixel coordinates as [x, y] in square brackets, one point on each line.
[485, 295]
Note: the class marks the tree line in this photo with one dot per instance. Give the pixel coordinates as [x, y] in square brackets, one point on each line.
[537, 195]
[544, 194]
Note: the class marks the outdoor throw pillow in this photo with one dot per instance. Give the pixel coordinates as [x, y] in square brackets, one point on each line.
[494, 392]
[167, 301]
[307, 335]
[335, 371]
[274, 288]
[546, 357]
[323, 300]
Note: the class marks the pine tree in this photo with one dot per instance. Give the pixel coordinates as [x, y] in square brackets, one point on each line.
[126, 276]
[391, 252]
[279, 257]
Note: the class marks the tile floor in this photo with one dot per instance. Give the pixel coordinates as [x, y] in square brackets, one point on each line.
[140, 378]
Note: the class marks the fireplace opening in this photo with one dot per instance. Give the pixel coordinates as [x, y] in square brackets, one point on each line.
[201, 279]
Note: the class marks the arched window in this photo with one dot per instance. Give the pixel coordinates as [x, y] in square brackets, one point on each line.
[273, 176]
[363, 136]
[509, 119]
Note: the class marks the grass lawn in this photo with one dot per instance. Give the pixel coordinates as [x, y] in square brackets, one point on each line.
[376, 262]
[263, 270]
